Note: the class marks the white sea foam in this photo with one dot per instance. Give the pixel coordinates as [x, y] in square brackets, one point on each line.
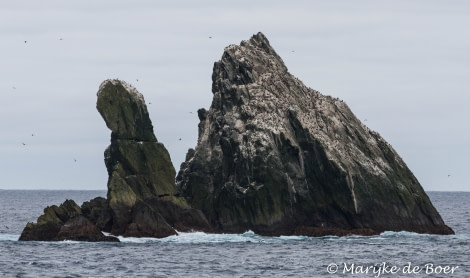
[250, 237]
[199, 237]
[191, 237]
[9, 237]
[387, 234]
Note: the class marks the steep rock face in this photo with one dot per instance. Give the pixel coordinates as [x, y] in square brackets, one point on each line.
[141, 184]
[98, 212]
[277, 157]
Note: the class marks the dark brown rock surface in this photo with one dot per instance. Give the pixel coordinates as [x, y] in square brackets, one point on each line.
[279, 158]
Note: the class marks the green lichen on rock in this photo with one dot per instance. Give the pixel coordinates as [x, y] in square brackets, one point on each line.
[141, 175]
[124, 111]
[146, 166]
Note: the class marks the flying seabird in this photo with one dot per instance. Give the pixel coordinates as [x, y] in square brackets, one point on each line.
[23, 144]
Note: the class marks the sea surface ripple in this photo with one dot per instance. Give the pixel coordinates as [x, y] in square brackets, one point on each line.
[230, 255]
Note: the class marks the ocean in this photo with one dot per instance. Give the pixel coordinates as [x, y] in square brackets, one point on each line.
[391, 254]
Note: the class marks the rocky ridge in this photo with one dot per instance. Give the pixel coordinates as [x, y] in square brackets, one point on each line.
[279, 158]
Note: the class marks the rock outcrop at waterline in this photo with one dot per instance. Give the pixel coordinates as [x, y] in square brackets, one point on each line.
[142, 200]
[64, 222]
[279, 158]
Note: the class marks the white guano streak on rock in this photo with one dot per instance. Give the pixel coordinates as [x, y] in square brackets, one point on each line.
[270, 97]
[290, 187]
[351, 187]
[131, 89]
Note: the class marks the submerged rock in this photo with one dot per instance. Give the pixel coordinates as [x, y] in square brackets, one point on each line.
[279, 158]
[141, 184]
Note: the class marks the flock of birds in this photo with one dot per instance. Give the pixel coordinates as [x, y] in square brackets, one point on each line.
[137, 80]
[32, 134]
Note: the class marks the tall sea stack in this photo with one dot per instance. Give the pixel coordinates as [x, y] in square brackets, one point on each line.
[279, 158]
[142, 195]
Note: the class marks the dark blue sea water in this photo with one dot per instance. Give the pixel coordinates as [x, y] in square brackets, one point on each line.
[390, 254]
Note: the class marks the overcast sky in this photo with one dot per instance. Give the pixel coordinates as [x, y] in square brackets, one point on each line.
[402, 66]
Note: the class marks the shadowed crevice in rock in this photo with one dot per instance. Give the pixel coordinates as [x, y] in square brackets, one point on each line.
[279, 158]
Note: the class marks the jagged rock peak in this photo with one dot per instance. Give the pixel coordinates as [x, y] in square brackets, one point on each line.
[246, 63]
[277, 157]
[124, 110]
